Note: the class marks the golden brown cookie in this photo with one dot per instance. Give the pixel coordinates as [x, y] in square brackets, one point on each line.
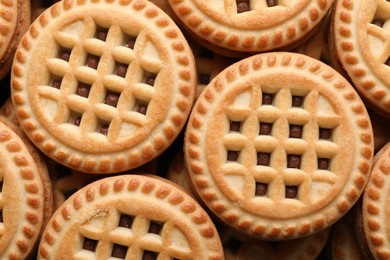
[15, 18]
[249, 26]
[130, 217]
[279, 146]
[103, 86]
[22, 196]
[375, 209]
[361, 39]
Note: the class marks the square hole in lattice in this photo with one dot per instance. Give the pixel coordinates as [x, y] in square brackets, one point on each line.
[90, 244]
[296, 131]
[267, 98]
[325, 133]
[1, 186]
[204, 78]
[64, 54]
[126, 221]
[119, 251]
[387, 62]
[1, 216]
[83, 89]
[149, 255]
[155, 227]
[74, 118]
[323, 163]
[149, 78]
[291, 191]
[261, 189]
[271, 3]
[263, 158]
[265, 128]
[232, 156]
[55, 81]
[102, 127]
[111, 98]
[121, 69]
[129, 41]
[243, 6]
[92, 61]
[378, 22]
[101, 33]
[235, 126]
[294, 161]
[297, 101]
[141, 106]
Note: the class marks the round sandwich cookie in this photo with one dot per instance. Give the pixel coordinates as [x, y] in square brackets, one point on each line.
[241, 27]
[279, 146]
[375, 210]
[360, 33]
[103, 86]
[23, 196]
[130, 217]
[15, 18]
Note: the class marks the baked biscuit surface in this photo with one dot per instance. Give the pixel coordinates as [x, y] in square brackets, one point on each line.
[279, 145]
[130, 217]
[21, 197]
[103, 86]
[361, 37]
[250, 26]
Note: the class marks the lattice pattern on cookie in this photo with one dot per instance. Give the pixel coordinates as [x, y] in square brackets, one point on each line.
[124, 82]
[130, 237]
[249, 5]
[291, 147]
[379, 34]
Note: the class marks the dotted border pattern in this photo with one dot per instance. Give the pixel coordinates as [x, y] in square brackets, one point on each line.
[348, 54]
[156, 188]
[251, 224]
[122, 160]
[18, 156]
[245, 39]
[374, 206]
[9, 18]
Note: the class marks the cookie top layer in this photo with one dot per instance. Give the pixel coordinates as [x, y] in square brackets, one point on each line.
[131, 217]
[375, 209]
[252, 25]
[279, 145]
[361, 32]
[22, 197]
[9, 15]
[103, 86]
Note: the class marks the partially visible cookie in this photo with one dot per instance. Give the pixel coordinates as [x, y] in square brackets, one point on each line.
[103, 86]
[15, 18]
[375, 210]
[279, 146]
[360, 33]
[234, 27]
[130, 217]
[22, 197]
